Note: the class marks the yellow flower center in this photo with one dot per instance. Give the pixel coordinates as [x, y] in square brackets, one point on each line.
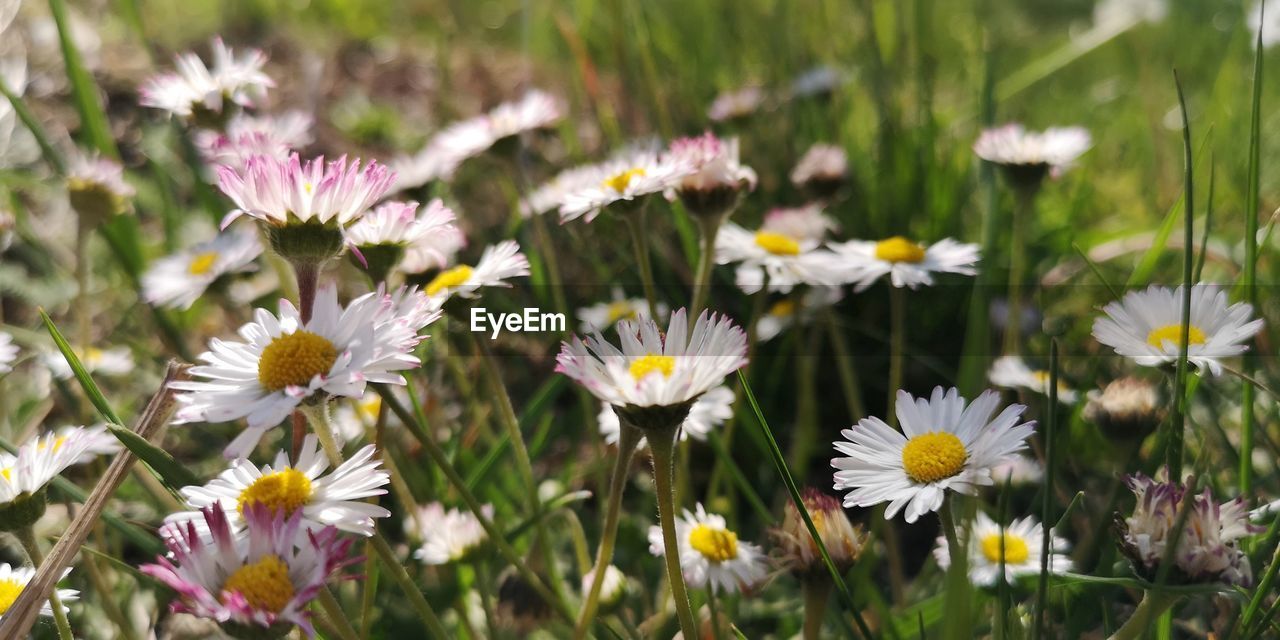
[645, 365]
[7, 473]
[9, 590]
[1015, 549]
[287, 490]
[620, 181]
[783, 308]
[931, 457]
[265, 584]
[202, 263]
[449, 279]
[716, 545]
[294, 359]
[369, 409]
[899, 249]
[777, 243]
[620, 310]
[1173, 333]
[57, 443]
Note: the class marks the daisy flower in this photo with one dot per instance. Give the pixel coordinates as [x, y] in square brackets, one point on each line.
[285, 191]
[655, 370]
[260, 582]
[736, 104]
[283, 362]
[23, 476]
[789, 311]
[1147, 327]
[14, 580]
[447, 536]
[843, 540]
[98, 441]
[551, 194]
[1126, 409]
[113, 362]
[944, 446]
[907, 263]
[1018, 544]
[711, 555]
[624, 181]
[247, 136]
[8, 352]
[1028, 156]
[383, 235]
[715, 180]
[434, 251]
[786, 249]
[178, 280]
[709, 411]
[353, 419]
[1208, 550]
[1010, 372]
[612, 590]
[535, 110]
[822, 170]
[497, 264]
[1017, 470]
[96, 187]
[337, 499]
[603, 315]
[199, 90]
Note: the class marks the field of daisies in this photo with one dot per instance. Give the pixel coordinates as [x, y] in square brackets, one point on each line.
[710, 319]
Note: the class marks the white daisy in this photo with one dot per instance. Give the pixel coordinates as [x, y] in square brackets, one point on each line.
[533, 111]
[709, 411]
[612, 589]
[907, 263]
[1017, 470]
[737, 103]
[944, 445]
[117, 361]
[14, 580]
[96, 187]
[1147, 327]
[8, 352]
[353, 418]
[716, 178]
[434, 251]
[336, 499]
[447, 536]
[400, 224]
[823, 168]
[786, 249]
[283, 191]
[1010, 372]
[653, 369]
[40, 460]
[99, 441]
[1019, 544]
[711, 555]
[551, 194]
[497, 264]
[1029, 156]
[246, 136]
[283, 362]
[789, 311]
[178, 280]
[603, 315]
[625, 180]
[195, 88]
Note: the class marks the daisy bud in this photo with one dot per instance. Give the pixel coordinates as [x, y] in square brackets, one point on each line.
[1127, 409]
[843, 540]
[716, 181]
[612, 591]
[97, 190]
[1028, 157]
[821, 171]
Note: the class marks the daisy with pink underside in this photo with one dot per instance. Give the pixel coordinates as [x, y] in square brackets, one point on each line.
[262, 582]
[282, 191]
[195, 87]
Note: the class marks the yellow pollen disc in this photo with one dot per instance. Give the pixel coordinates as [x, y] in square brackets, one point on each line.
[370, 408]
[265, 584]
[202, 263]
[1015, 549]
[294, 359]
[716, 545]
[645, 365]
[449, 279]
[1173, 333]
[620, 310]
[9, 590]
[931, 457]
[7, 473]
[899, 249]
[287, 490]
[783, 309]
[777, 243]
[620, 181]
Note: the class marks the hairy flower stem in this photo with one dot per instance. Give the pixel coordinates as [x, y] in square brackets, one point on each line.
[323, 427]
[307, 275]
[637, 224]
[817, 591]
[333, 610]
[662, 444]
[27, 537]
[1153, 605]
[709, 228]
[713, 608]
[628, 439]
[956, 606]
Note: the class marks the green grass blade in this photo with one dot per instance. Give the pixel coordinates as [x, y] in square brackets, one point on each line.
[780, 462]
[84, 92]
[171, 473]
[50, 153]
[1046, 501]
[1097, 272]
[1250, 275]
[1208, 225]
[91, 389]
[1173, 454]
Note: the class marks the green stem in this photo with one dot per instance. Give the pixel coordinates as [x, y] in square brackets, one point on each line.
[84, 313]
[27, 537]
[817, 591]
[628, 440]
[484, 578]
[1153, 605]
[333, 610]
[897, 358]
[956, 605]
[1023, 209]
[844, 366]
[635, 221]
[709, 227]
[662, 444]
[713, 607]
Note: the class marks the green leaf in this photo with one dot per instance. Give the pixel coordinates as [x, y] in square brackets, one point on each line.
[81, 374]
[171, 473]
[84, 92]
